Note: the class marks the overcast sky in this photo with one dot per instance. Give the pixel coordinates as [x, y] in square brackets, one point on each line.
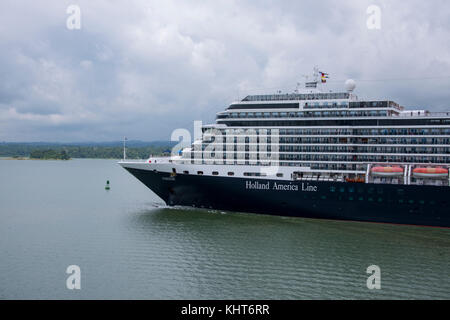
[144, 68]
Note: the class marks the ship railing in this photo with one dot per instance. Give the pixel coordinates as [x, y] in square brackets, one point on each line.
[318, 178]
[430, 182]
[161, 159]
[133, 160]
[422, 114]
[152, 159]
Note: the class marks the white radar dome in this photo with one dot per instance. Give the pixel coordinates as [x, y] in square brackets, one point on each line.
[350, 85]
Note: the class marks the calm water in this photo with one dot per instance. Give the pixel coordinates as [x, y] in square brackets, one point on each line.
[128, 245]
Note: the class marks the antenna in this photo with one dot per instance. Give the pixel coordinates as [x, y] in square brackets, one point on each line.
[124, 149]
[313, 83]
[306, 77]
[318, 77]
[316, 73]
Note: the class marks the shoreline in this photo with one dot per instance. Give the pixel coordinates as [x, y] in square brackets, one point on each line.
[27, 158]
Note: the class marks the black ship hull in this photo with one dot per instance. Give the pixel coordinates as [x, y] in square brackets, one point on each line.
[384, 203]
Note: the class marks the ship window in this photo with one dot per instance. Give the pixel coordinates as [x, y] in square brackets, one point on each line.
[279, 175]
[332, 189]
[323, 197]
[380, 199]
[186, 172]
[215, 173]
[231, 173]
[200, 172]
[254, 174]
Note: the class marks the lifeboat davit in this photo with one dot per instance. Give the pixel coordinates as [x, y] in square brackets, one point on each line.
[434, 173]
[387, 171]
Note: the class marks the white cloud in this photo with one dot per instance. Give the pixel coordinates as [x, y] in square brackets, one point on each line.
[86, 64]
[142, 68]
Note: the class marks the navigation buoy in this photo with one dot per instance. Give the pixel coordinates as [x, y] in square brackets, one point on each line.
[107, 185]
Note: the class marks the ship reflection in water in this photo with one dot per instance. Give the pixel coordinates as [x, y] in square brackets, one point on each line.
[228, 255]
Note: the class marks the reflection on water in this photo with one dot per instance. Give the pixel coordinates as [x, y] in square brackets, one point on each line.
[255, 256]
[128, 245]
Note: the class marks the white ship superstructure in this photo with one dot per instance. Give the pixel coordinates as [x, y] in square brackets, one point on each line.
[313, 154]
[325, 135]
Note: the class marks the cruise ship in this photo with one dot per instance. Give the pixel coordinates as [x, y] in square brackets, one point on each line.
[313, 154]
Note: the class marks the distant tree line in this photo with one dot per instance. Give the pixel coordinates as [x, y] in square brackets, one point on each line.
[57, 151]
[49, 154]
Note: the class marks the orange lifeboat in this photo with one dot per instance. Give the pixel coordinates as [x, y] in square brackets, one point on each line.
[430, 172]
[358, 180]
[387, 171]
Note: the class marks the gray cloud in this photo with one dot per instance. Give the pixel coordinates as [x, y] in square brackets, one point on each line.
[143, 68]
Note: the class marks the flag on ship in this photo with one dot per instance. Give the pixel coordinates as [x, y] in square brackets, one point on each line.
[323, 77]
